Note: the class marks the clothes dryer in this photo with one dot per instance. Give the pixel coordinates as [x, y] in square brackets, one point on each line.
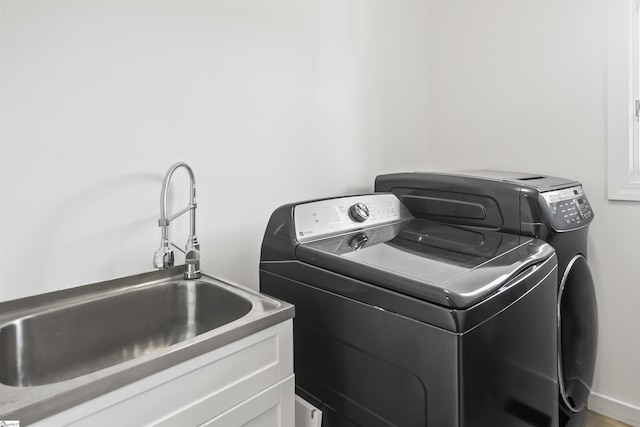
[408, 322]
[550, 208]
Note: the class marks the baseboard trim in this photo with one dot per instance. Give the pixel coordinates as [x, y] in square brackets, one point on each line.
[615, 409]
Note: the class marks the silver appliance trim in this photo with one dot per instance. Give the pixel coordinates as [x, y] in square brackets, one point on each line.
[323, 218]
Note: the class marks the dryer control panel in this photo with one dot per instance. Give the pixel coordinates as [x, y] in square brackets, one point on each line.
[568, 208]
[322, 218]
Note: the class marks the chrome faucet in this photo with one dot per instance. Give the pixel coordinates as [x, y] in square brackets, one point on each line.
[163, 258]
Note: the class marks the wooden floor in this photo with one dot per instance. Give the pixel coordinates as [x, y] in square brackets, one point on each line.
[597, 420]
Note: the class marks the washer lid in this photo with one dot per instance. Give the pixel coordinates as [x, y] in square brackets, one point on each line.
[446, 265]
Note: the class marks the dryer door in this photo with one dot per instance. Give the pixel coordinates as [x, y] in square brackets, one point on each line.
[577, 334]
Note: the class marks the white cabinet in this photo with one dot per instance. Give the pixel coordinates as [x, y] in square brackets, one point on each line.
[249, 382]
[265, 409]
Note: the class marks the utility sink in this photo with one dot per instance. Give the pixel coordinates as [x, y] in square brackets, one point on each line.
[79, 343]
[59, 343]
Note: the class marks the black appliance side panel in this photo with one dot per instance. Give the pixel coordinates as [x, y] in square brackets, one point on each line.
[363, 366]
[568, 245]
[279, 242]
[509, 362]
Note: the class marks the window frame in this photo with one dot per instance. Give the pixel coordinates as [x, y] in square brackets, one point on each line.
[623, 146]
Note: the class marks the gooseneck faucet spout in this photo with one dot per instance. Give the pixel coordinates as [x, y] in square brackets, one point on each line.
[163, 257]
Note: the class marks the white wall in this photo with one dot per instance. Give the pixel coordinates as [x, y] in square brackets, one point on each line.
[262, 99]
[272, 102]
[522, 86]
[269, 101]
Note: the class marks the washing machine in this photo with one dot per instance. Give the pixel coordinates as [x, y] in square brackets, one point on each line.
[408, 322]
[549, 208]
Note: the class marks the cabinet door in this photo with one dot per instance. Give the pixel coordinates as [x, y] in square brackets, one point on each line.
[271, 408]
[196, 391]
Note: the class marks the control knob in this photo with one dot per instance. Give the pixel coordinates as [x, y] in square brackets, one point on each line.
[359, 212]
[358, 241]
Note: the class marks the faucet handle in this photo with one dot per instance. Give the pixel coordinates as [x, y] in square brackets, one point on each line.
[163, 258]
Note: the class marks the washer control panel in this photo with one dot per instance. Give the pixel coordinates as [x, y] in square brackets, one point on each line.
[569, 208]
[322, 218]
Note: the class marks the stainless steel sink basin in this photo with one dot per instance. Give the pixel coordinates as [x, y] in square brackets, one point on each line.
[60, 343]
[70, 346]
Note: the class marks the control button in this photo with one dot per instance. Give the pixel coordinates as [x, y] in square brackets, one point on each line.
[359, 212]
[358, 241]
